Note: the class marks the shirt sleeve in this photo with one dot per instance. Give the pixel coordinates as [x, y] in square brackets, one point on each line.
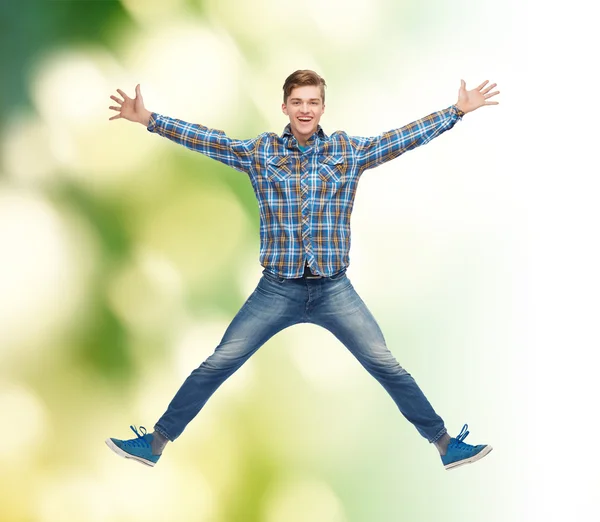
[372, 152]
[211, 142]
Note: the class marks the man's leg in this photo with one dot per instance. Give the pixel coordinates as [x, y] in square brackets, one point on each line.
[341, 311]
[268, 310]
[273, 306]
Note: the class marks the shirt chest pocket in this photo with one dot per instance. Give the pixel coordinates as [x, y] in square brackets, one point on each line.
[332, 169]
[279, 168]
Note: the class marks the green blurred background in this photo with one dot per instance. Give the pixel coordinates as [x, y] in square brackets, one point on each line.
[125, 257]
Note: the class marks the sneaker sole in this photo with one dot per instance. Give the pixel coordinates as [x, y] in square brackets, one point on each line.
[126, 455]
[470, 460]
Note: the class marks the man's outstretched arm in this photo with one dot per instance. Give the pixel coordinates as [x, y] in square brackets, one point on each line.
[210, 142]
[371, 152]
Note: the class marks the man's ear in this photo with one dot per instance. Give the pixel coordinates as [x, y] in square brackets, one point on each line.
[284, 109]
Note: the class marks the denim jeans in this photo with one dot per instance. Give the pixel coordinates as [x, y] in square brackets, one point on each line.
[277, 303]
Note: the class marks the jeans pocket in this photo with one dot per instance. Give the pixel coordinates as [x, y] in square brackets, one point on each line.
[272, 277]
[339, 275]
[338, 286]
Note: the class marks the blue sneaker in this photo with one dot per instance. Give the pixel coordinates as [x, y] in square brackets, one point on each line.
[459, 453]
[139, 449]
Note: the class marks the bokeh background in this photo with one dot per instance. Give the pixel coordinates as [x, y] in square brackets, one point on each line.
[124, 257]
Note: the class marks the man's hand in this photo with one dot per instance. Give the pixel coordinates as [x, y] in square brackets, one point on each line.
[131, 109]
[468, 101]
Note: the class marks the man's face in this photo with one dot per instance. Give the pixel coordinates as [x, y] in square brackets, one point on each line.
[304, 107]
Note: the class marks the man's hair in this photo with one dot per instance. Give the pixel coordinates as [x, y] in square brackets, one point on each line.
[300, 78]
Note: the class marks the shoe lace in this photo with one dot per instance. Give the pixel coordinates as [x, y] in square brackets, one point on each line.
[458, 443]
[463, 433]
[140, 441]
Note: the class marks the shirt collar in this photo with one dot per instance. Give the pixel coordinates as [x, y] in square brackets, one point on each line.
[287, 133]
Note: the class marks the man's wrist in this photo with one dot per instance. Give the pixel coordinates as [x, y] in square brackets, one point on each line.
[145, 121]
[461, 112]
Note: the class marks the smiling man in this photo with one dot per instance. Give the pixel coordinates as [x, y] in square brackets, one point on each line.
[305, 182]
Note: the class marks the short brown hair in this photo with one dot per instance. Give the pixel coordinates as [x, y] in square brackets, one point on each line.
[300, 78]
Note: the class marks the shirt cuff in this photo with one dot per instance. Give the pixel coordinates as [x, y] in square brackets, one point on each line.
[459, 113]
[152, 122]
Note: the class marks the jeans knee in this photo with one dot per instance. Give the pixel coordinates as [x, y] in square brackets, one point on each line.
[219, 365]
[395, 368]
[386, 365]
[227, 357]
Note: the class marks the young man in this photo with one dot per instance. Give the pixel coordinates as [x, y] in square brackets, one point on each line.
[305, 183]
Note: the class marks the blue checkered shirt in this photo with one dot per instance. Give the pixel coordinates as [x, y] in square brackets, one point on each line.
[305, 198]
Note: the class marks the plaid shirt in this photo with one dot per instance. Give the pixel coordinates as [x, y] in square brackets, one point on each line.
[305, 198]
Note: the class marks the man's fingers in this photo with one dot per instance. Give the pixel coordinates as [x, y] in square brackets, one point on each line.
[489, 88]
[138, 94]
[491, 94]
[482, 85]
[125, 97]
[115, 108]
[491, 103]
[115, 117]
[120, 102]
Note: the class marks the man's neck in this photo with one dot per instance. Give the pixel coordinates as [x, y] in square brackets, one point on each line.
[302, 142]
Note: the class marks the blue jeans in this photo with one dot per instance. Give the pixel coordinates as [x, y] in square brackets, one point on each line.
[275, 304]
